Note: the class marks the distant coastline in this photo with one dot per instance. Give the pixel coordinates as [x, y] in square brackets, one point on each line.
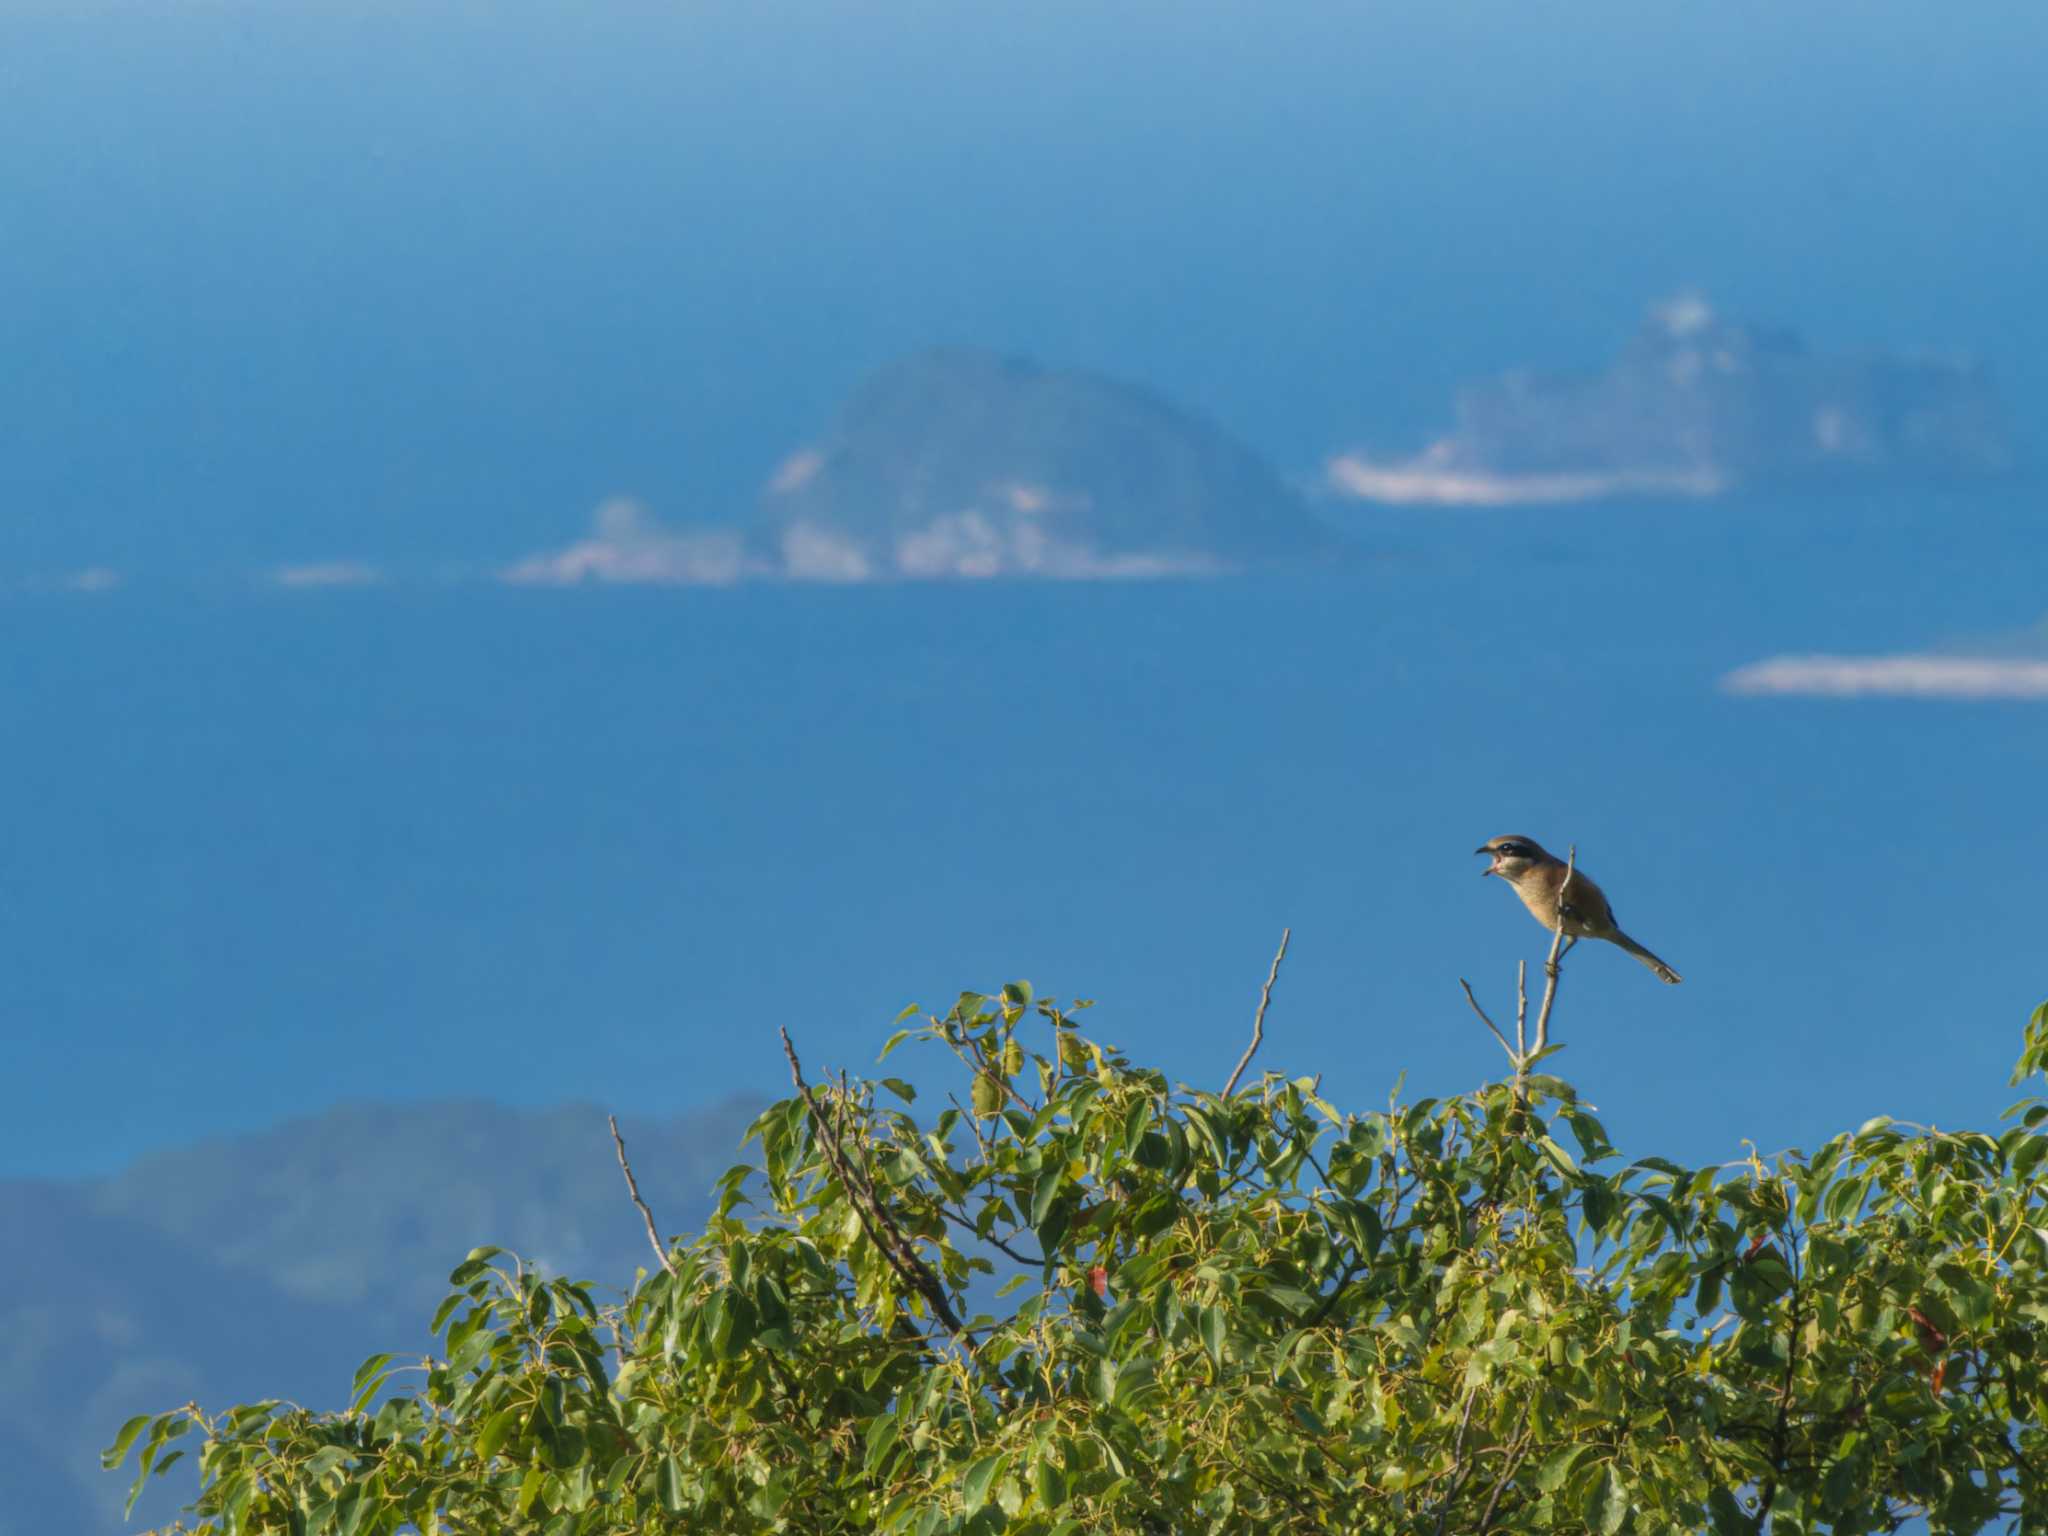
[1433, 479]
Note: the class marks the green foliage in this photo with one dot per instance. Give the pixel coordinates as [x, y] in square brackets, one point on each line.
[1181, 1313]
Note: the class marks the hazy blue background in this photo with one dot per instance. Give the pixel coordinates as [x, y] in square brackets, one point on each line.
[425, 281]
[418, 285]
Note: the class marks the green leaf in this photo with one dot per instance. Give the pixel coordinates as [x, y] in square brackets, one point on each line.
[441, 1313]
[1212, 1334]
[987, 1095]
[1362, 1225]
[478, 1261]
[1049, 1483]
[1555, 1468]
[669, 1487]
[1596, 1204]
[370, 1375]
[1135, 1379]
[1727, 1514]
[355, 1506]
[114, 1454]
[882, 1436]
[980, 1478]
[530, 1489]
[1045, 1191]
[1607, 1507]
[497, 1428]
[767, 1500]
[1590, 1134]
[1843, 1487]
[1708, 1296]
[1136, 1123]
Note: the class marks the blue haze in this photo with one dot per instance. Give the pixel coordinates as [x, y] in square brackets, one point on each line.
[419, 286]
[279, 850]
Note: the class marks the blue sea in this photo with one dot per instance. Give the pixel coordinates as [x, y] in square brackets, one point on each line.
[270, 850]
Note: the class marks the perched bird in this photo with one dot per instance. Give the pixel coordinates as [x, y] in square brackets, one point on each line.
[1539, 879]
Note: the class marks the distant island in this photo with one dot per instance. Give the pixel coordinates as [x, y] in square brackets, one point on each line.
[1696, 405]
[961, 463]
[956, 464]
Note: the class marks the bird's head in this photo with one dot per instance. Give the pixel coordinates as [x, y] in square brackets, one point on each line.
[1512, 856]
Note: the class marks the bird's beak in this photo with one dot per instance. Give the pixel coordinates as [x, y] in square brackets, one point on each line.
[1482, 850]
[1489, 868]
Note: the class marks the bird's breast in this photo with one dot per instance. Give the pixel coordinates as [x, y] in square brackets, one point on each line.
[1540, 897]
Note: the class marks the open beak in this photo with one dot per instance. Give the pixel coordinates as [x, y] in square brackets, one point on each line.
[1489, 868]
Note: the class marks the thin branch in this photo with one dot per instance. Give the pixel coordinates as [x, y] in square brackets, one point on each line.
[979, 1066]
[1515, 1456]
[1513, 1054]
[867, 1207]
[1768, 1494]
[1259, 1021]
[1459, 1471]
[1557, 945]
[633, 1188]
[1329, 1302]
[1521, 1007]
[989, 1237]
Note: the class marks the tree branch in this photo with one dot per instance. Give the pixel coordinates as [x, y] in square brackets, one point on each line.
[1459, 1471]
[1515, 1455]
[633, 1188]
[1557, 945]
[1259, 1021]
[874, 1219]
[1514, 1055]
[990, 1238]
[1767, 1495]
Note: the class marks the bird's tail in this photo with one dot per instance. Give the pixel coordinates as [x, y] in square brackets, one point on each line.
[1664, 972]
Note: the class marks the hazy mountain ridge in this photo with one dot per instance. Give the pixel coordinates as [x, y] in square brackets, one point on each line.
[272, 1264]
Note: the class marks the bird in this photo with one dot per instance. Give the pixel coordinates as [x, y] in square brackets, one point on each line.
[1539, 878]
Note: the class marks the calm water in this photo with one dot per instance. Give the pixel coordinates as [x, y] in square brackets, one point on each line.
[267, 851]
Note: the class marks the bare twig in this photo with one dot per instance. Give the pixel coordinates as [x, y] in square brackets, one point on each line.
[1259, 1020]
[633, 1188]
[1557, 947]
[1513, 1054]
[874, 1219]
[1522, 1007]
[993, 1241]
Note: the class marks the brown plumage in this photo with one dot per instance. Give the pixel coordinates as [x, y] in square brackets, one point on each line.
[1539, 878]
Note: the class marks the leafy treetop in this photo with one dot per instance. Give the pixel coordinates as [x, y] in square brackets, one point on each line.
[1086, 1299]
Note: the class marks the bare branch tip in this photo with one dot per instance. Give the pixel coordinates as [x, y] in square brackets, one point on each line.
[1473, 999]
[633, 1189]
[1259, 1020]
